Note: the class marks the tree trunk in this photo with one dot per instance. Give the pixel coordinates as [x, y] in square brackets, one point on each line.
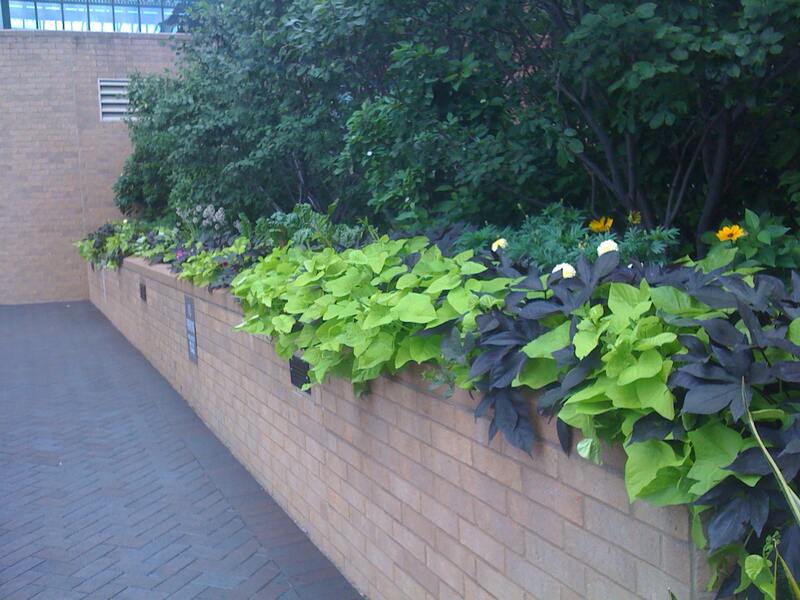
[716, 182]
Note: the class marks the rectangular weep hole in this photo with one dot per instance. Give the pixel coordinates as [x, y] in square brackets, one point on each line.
[143, 291]
[298, 372]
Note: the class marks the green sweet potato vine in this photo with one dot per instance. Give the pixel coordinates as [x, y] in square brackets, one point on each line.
[364, 312]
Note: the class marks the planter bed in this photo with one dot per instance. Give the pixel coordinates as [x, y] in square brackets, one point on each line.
[400, 487]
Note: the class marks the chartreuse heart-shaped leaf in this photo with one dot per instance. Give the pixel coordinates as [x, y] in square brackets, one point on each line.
[715, 447]
[647, 364]
[537, 373]
[462, 300]
[628, 302]
[415, 308]
[547, 343]
[652, 468]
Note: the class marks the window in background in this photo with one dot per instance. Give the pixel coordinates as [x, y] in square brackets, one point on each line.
[126, 18]
[101, 17]
[76, 17]
[23, 15]
[49, 16]
[151, 16]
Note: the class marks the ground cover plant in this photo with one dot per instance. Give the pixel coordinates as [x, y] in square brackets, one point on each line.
[692, 366]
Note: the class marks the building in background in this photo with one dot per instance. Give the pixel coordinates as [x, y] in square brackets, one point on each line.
[121, 16]
[63, 139]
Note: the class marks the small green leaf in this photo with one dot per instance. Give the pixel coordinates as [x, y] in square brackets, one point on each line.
[537, 373]
[378, 315]
[645, 461]
[462, 300]
[415, 308]
[648, 364]
[646, 10]
[546, 344]
[715, 447]
[472, 268]
[590, 449]
[283, 323]
[406, 281]
[378, 350]
[445, 282]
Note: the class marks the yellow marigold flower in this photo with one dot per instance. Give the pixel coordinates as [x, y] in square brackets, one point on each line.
[499, 243]
[601, 225]
[634, 217]
[730, 232]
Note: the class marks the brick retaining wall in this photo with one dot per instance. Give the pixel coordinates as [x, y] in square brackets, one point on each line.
[399, 488]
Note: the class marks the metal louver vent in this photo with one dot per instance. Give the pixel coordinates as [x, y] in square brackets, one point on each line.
[113, 94]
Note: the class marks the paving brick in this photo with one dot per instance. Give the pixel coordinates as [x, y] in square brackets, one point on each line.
[133, 511]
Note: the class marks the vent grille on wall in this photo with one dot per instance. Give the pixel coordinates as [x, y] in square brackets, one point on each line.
[113, 95]
[298, 372]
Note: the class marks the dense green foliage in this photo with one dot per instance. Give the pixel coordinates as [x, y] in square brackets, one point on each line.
[109, 245]
[671, 363]
[559, 233]
[415, 112]
[361, 312]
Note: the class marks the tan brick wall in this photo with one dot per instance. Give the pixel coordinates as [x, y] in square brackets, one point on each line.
[58, 161]
[400, 488]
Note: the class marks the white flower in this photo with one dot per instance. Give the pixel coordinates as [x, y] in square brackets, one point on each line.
[499, 243]
[567, 270]
[607, 246]
[369, 152]
[124, 221]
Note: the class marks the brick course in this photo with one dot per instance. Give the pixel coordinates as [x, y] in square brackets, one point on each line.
[399, 488]
[58, 161]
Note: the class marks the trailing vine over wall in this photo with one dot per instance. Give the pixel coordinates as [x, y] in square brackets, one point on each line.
[680, 364]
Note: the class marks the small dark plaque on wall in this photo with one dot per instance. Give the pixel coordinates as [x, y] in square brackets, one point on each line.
[143, 291]
[298, 372]
[191, 328]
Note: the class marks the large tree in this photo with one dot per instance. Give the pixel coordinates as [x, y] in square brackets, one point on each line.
[483, 110]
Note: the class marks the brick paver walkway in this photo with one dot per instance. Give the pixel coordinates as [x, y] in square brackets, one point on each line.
[111, 487]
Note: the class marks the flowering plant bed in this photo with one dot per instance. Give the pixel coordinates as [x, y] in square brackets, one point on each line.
[688, 366]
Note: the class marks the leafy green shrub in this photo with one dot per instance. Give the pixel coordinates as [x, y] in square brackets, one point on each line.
[158, 245]
[108, 245]
[561, 233]
[415, 113]
[303, 227]
[762, 241]
[217, 268]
